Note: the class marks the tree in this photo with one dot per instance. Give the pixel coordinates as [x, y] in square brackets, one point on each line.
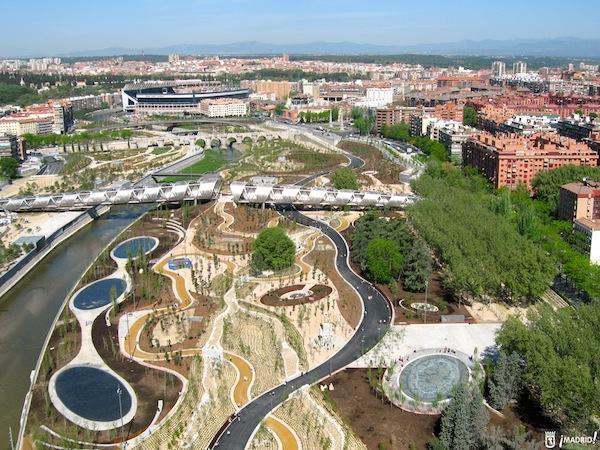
[560, 364]
[463, 421]
[505, 382]
[344, 178]
[417, 267]
[400, 131]
[546, 184]
[370, 227]
[469, 116]
[279, 108]
[384, 260]
[8, 167]
[272, 250]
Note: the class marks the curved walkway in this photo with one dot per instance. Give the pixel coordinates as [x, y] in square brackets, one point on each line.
[241, 396]
[371, 328]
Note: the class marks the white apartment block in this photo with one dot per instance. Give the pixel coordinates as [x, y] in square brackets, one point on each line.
[223, 108]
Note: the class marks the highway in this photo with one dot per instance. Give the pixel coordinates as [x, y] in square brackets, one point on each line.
[374, 324]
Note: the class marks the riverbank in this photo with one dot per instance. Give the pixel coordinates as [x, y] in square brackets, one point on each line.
[16, 273]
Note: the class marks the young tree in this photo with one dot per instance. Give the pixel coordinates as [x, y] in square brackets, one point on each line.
[505, 382]
[464, 420]
[417, 267]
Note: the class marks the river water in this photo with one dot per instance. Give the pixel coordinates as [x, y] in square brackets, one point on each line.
[27, 311]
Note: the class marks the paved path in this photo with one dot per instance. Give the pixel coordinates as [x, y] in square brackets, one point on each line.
[241, 396]
[372, 327]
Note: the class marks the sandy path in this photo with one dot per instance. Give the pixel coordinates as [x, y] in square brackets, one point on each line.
[241, 396]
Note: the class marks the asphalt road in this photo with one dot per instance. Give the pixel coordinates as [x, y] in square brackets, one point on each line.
[374, 324]
[53, 166]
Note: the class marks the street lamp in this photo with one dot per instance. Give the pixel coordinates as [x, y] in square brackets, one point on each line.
[426, 304]
[119, 392]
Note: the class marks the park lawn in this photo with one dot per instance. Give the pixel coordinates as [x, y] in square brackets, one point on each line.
[161, 150]
[74, 162]
[211, 162]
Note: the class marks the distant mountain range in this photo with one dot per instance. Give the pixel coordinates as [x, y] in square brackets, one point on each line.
[555, 47]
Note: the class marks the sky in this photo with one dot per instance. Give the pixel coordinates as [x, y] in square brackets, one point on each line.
[40, 27]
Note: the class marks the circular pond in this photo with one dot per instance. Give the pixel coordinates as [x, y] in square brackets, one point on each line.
[91, 393]
[432, 377]
[99, 293]
[135, 247]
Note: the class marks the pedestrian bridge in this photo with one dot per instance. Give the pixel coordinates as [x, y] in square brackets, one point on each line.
[245, 192]
[208, 187]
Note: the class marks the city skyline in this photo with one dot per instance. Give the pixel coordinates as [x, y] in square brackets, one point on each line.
[154, 24]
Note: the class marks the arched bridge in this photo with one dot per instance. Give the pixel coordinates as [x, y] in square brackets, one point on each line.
[251, 137]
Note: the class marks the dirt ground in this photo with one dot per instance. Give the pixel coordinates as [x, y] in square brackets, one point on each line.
[274, 297]
[150, 385]
[322, 257]
[375, 421]
[386, 172]
[249, 219]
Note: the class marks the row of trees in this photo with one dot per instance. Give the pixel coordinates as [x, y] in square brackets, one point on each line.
[561, 367]
[52, 139]
[401, 132]
[483, 254]
[385, 251]
[316, 117]
[536, 220]
[364, 120]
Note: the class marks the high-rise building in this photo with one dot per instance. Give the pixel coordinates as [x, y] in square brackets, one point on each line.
[519, 67]
[511, 159]
[498, 69]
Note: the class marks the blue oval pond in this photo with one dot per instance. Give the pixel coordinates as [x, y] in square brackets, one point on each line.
[92, 393]
[134, 247]
[99, 293]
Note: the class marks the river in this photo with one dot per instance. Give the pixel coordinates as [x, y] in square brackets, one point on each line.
[27, 311]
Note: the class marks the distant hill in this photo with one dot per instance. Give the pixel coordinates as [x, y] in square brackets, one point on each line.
[555, 47]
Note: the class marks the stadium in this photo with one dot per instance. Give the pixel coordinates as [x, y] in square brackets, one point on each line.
[175, 96]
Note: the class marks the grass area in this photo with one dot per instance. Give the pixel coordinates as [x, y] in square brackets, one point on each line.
[211, 162]
[263, 157]
[74, 162]
[161, 150]
[115, 155]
